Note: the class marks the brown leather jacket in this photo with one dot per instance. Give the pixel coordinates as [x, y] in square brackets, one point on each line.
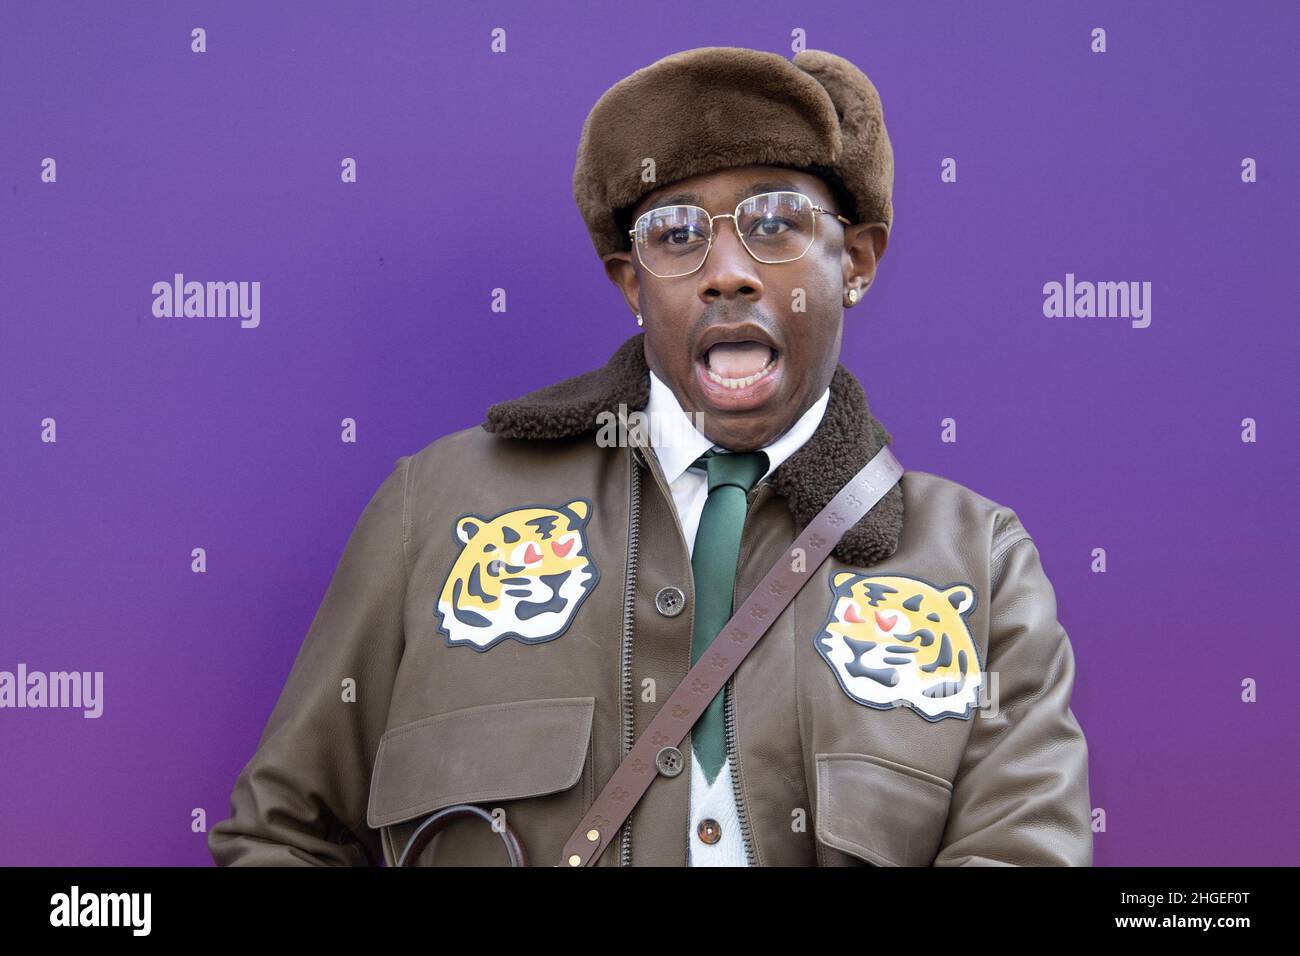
[436, 674]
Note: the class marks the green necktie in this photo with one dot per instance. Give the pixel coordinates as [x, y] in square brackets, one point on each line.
[713, 562]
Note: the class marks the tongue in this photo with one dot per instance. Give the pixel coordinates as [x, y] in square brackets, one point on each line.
[738, 359]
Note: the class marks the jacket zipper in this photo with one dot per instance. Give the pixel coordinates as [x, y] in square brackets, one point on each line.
[729, 722]
[629, 607]
[742, 813]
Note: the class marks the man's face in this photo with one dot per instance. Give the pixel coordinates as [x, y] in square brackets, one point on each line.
[736, 318]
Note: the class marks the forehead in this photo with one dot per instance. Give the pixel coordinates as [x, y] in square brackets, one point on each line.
[721, 190]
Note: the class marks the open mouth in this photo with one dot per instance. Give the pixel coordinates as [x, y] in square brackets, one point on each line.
[738, 365]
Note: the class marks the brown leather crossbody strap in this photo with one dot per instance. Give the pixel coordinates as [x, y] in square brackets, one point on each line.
[737, 637]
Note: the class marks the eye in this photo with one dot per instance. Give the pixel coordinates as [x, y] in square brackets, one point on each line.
[562, 546]
[761, 229]
[680, 236]
[526, 554]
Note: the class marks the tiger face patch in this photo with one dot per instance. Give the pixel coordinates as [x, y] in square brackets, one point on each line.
[895, 640]
[521, 575]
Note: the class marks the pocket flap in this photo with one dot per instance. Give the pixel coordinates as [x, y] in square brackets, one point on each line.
[488, 752]
[880, 811]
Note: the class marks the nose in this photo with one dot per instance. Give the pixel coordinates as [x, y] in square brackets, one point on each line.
[730, 270]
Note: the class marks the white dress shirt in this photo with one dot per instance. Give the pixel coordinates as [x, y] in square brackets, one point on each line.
[677, 445]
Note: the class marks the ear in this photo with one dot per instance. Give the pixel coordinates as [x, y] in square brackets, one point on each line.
[580, 507]
[621, 271]
[961, 597]
[467, 527]
[864, 244]
[841, 580]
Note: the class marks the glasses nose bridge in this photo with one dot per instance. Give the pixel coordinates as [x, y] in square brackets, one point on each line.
[713, 235]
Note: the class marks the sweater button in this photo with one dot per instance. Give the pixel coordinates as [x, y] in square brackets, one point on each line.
[709, 831]
[669, 601]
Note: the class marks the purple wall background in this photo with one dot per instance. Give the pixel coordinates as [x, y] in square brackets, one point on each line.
[176, 433]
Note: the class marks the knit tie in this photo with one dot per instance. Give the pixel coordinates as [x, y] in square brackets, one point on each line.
[713, 562]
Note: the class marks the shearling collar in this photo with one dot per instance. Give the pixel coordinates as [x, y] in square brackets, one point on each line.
[847, 437]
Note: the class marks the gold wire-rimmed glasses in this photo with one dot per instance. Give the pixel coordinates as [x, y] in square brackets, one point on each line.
[674, 241]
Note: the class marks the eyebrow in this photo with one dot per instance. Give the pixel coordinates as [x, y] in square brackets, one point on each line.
[767, 186]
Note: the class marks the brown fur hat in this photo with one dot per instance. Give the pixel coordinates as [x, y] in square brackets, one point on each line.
[706, 109]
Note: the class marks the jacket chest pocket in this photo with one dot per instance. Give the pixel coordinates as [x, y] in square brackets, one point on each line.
[875, 810]
[531, 760]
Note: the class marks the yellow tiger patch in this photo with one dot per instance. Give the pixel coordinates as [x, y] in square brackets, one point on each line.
[521, 575]
[895, 640]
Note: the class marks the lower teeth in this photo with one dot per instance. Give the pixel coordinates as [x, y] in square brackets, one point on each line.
[740, 382]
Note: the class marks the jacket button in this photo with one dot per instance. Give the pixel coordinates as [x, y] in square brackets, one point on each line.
[669, 761]
[670, 601]
[709, 831]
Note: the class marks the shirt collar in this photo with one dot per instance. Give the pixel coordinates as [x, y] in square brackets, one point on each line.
[678, 443]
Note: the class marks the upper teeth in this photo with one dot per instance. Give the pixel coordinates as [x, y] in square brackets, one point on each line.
[741, 382]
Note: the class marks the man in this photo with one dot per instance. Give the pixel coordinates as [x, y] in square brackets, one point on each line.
[518, 599]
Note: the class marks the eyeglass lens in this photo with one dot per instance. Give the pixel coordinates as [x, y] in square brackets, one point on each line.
[774, 227]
